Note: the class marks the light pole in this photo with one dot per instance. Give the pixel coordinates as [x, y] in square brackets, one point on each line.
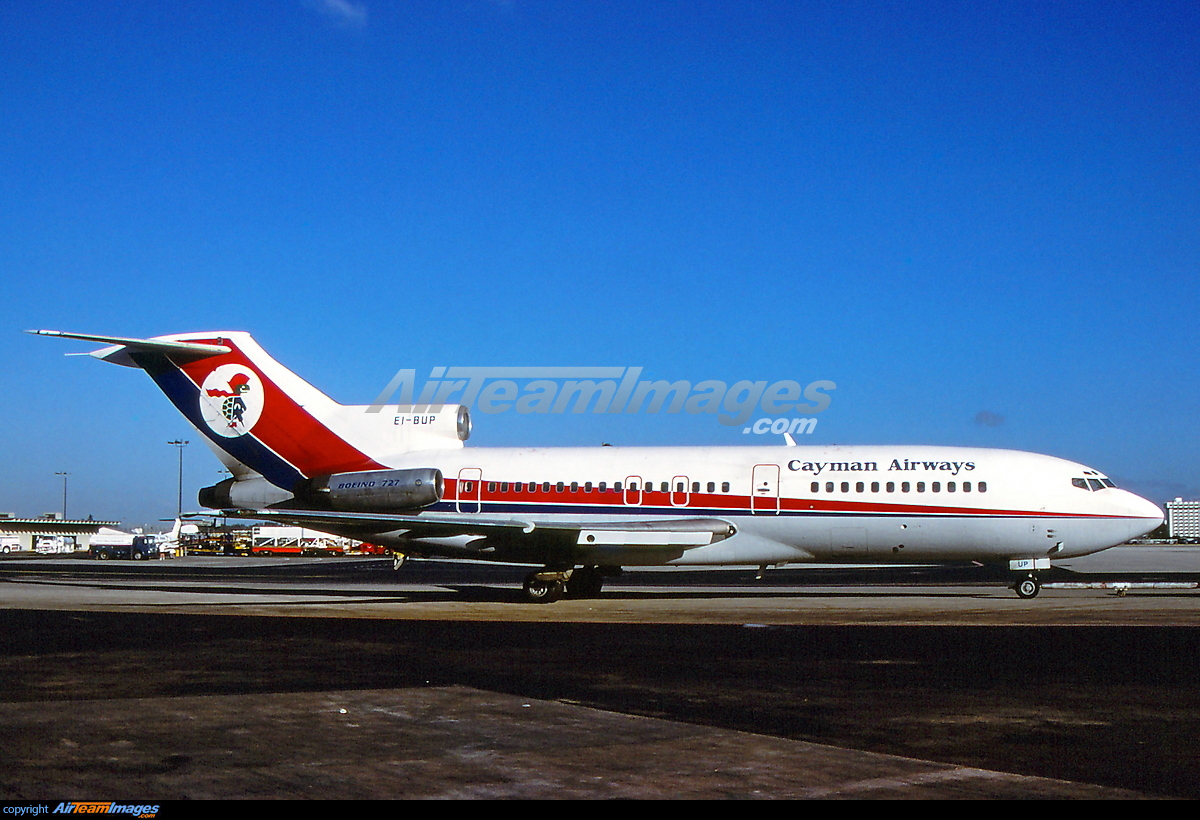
[180, 443]
[64, 478]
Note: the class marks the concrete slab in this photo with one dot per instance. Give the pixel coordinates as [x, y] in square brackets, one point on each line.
[442, 742]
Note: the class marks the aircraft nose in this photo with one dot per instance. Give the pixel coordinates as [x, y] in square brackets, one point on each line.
[1150, 513]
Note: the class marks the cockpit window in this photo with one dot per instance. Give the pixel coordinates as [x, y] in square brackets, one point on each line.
[1091, 484]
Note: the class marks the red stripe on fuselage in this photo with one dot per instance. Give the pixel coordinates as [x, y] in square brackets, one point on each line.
[659, 502]
[284, 426]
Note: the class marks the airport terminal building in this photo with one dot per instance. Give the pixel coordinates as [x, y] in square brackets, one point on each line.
[49, 534]
[1183, 518]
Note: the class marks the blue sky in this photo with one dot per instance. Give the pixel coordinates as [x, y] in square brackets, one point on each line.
[947, 209]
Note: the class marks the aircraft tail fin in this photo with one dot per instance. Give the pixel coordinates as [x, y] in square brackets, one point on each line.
[260, 417]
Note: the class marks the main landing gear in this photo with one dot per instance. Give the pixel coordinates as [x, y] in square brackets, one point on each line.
[548, 585]
[541, 589]
[1027, 587]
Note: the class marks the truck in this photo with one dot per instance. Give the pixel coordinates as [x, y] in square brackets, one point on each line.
[140, 548]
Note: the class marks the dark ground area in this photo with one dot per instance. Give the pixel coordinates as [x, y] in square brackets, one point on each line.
[1114, 706]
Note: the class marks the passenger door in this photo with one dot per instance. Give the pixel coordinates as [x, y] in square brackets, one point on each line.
[469, 490]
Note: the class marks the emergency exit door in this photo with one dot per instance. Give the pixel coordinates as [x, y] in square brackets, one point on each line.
[764, 489]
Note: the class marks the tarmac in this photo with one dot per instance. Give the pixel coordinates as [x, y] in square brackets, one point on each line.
[444, 742]
[220, 678]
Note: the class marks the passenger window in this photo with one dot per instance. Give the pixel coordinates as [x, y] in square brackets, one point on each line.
[920, 486]
[950, 486]
[724, 486]
[874, 486]
[467, 485]
[666, 487]
[491, 486]
[891, 486]
[603, 486]
[828, 486]
[558, 488]
[936, 486]
[546, 487]
[587, 488]
[712, 486]
[860, 487]
[574, 486]
[816, 486]
[696, 487]
[617, 486]
[904, 486]
[981, 486]
[503, 486]
[966, 486]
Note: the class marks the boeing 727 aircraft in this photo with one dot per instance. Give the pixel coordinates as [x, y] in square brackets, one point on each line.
[403, 479]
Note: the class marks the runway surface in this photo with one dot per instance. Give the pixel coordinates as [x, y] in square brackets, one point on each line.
[137, 677]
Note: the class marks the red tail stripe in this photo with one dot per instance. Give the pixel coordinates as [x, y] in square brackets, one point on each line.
[286, 427]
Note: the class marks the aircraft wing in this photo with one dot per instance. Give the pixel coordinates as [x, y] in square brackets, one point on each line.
[584, 539]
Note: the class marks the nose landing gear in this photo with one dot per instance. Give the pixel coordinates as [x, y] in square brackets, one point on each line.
[1028, 587]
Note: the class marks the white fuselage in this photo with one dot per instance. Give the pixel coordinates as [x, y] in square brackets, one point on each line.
[852, 503]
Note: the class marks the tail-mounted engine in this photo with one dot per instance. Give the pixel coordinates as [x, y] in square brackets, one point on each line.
[377, 491]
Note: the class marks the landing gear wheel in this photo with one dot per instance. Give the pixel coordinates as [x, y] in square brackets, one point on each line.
[585, 582]
[398, 559]
[1027, 587]
[538, 591]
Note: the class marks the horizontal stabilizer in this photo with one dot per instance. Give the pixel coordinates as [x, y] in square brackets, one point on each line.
[121, 346]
